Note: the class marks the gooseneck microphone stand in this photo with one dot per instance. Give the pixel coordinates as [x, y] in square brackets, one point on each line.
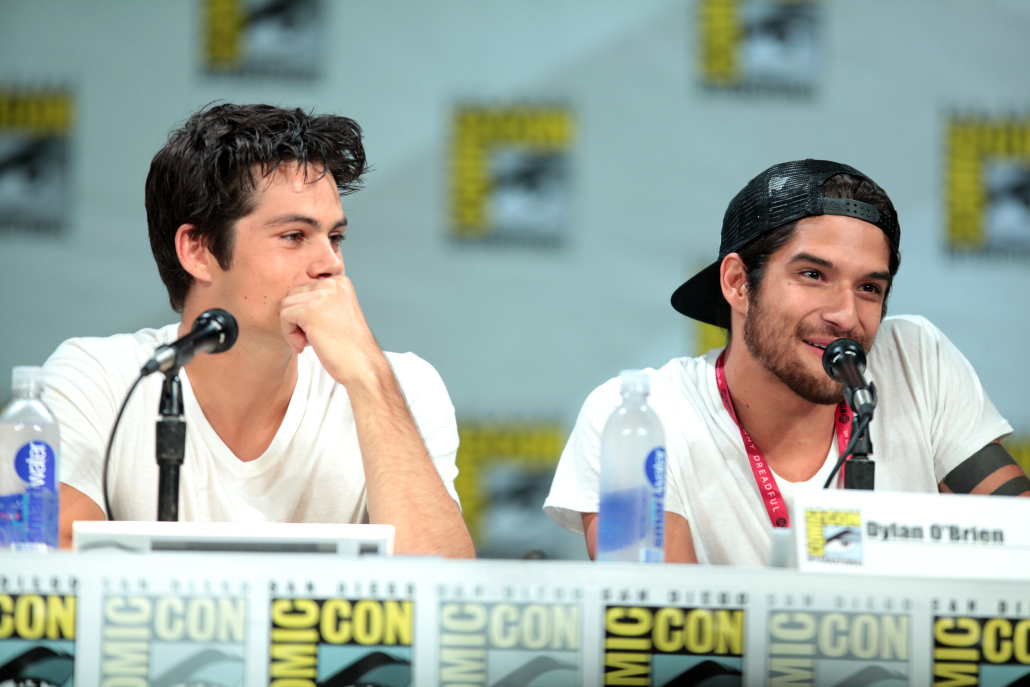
[859, 472]
[171, 446]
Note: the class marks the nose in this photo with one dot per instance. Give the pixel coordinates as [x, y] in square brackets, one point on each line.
[842, 310]
[326, 261]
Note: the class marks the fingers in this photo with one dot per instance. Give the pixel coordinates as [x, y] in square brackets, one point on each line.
[327, 284]
[295, 337]
[292, 331]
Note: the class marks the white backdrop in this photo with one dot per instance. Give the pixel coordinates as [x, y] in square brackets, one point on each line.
[527, 333]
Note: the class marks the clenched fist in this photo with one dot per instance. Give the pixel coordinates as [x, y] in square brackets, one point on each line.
[325, 314]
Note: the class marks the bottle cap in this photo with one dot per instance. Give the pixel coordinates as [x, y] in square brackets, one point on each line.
[635, 382]
[27, 379]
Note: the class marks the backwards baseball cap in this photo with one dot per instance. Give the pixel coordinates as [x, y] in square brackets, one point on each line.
[782, 194]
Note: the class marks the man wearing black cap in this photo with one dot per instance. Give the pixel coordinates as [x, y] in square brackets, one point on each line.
[808, 255]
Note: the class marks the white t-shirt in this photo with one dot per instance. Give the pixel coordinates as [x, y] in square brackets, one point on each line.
[311, 472]
[931, 415]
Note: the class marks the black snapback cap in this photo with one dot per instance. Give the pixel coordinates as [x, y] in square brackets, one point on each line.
[782, 194]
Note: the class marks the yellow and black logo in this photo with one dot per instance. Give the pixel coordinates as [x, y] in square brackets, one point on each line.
[831, 648]
[988, 172]
[508, 643]
[532, 448]
[510, 174]
[647, 645]
[244, 37]
[36, 616]
[150, 639]
[834, 535]
[763, 46]
[981, 651]
[339, 641]
[37, 638]
[35, 127]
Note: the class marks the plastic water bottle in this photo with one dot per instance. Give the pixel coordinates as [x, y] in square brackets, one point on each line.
[631, 519]
[29, 455]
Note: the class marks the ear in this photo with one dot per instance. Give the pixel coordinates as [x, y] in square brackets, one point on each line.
[193, 254]
[733, 280]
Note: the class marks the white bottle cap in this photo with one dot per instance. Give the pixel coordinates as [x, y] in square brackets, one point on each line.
[27, 379]
[635, 382]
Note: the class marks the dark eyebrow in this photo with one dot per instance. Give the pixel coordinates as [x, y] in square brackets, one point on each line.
[808, 257]
[303, 219]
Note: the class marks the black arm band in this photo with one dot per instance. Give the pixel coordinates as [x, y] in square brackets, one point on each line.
[1014, 487]
[977, 468]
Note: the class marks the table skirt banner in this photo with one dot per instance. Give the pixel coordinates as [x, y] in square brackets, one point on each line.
[304, 620]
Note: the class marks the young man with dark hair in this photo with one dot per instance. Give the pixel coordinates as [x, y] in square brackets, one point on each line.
[808, 255]
[305, 419]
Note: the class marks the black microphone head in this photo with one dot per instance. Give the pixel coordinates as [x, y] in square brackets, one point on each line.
[224, 322]
[836, 352]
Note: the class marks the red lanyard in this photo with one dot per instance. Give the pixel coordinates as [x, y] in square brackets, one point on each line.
[767, 486]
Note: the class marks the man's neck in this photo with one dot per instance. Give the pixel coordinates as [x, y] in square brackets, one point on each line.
[793, 434]
[244, 392]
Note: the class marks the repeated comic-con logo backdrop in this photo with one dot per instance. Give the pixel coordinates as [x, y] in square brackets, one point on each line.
[510, 174]
[988, 185]
[278, 38]
[707, 336]
[760, 46]
[504, 475]
[35, 128]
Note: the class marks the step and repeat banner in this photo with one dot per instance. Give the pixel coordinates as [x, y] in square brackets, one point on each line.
[283, 620]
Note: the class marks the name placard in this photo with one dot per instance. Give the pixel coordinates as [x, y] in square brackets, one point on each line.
[924, 535]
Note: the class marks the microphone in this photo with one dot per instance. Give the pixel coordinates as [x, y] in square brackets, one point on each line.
[214, 331]
[844, 361]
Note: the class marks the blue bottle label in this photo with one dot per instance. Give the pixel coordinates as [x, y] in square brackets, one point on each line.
[36, 464]
[30, 519]
[654, 468]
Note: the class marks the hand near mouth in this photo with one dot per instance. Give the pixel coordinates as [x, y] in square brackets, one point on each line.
[326, 315]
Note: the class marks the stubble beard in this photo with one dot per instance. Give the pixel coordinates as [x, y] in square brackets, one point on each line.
[776, 351]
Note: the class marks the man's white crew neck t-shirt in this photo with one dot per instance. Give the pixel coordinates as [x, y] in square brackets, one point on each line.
[931, 415]
[311, 472]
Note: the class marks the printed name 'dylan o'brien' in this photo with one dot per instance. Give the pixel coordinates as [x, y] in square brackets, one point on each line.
[934, 533]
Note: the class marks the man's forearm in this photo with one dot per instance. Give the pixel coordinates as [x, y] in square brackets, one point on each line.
[404, 488]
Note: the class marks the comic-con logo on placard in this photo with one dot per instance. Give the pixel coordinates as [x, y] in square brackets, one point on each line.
[340, 642]
[35, 126]
[510, 174]
[262, 37]
[37, 640]
[760, 46]
[836, 648]
[988, 185]
[834, 536]
[510, 644]
[981, 651]
[173, 640]
[650, 645]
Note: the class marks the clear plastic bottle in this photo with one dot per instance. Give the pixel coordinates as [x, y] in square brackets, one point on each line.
[631, 519]
[29, 458]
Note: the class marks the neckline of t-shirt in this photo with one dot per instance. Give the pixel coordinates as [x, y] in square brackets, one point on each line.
[719, 410]
[287, 428]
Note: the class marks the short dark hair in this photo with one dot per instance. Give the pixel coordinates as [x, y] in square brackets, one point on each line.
[756, 254]
[205, 175]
